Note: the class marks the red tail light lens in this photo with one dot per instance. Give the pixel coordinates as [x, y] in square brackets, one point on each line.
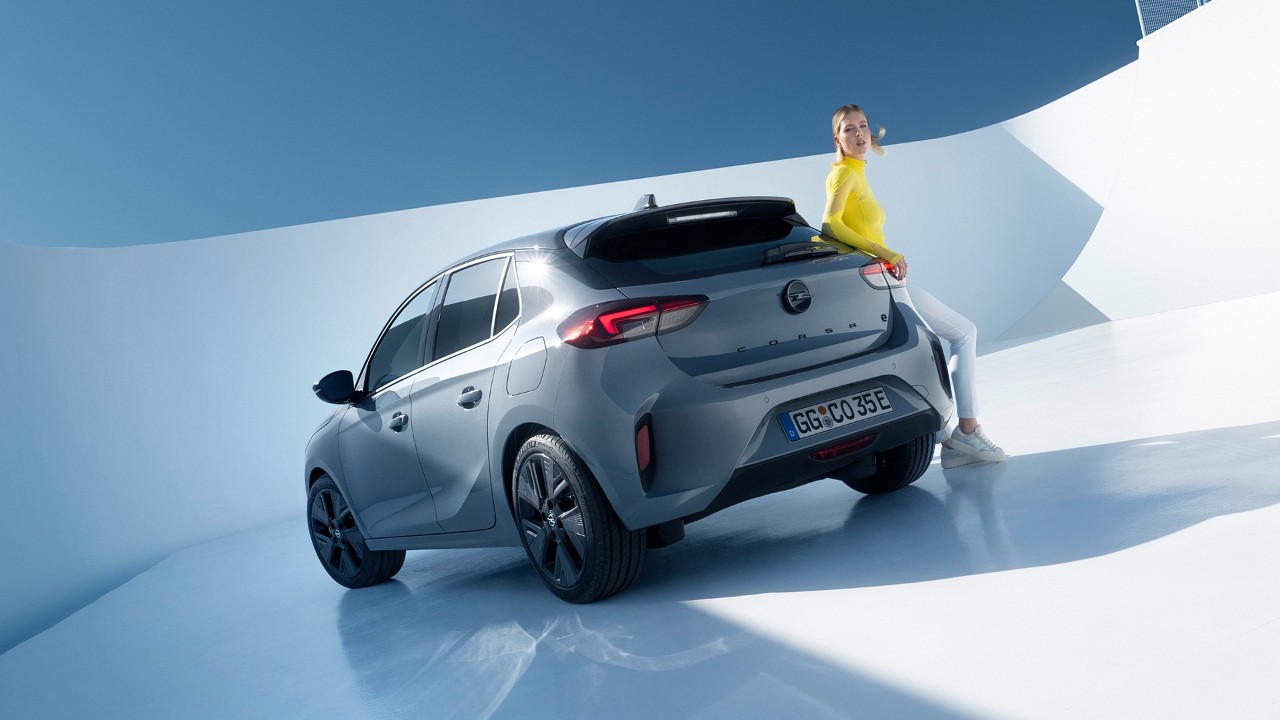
[622, 320]
[879, 276]
[636, 320]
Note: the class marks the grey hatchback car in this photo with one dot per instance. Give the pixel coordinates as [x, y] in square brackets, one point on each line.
[588, 391]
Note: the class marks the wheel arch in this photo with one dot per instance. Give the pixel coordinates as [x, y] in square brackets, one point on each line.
[516, 440]
[314, 476]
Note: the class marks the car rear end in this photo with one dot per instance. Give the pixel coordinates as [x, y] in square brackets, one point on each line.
[742, 355]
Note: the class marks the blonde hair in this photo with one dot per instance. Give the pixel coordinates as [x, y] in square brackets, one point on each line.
[839, 117]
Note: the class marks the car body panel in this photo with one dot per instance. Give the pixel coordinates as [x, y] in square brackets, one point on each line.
[703, 432]
[452, 440]
[384, 481]
[710, 393]
[745, 332]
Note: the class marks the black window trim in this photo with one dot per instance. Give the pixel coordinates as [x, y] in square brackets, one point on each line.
[510, 270]
[428, 343]
[492, 315]
[363, 381]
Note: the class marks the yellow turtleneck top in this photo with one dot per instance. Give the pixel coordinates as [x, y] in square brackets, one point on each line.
[852, 214]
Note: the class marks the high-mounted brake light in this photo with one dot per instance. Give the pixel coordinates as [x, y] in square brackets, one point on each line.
[702, 216]
[622, 320]
[880, 276]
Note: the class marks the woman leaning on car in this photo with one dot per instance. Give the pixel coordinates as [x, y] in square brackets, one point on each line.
[853, 217]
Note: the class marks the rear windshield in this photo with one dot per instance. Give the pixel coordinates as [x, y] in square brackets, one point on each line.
[681, 252]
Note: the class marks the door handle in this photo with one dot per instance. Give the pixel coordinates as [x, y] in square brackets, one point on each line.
[398, 422]
[470, 397]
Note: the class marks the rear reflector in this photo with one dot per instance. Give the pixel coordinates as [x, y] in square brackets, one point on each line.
[644, 448]
[940, 362]
[622, 320]
[831, 452]
[645, 460]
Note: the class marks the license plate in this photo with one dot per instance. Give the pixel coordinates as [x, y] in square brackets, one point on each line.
[832, 414]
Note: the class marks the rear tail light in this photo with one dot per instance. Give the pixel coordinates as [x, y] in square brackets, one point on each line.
[622, 320]
[878, 276]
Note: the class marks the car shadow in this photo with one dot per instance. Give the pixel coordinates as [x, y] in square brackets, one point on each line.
[1036, 510]
[472, 633]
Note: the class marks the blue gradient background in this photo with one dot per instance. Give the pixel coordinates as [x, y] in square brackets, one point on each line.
[133, 122]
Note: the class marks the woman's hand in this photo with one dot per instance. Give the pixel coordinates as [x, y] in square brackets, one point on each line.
[899, 271]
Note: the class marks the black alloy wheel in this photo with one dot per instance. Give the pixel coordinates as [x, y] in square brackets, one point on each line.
[340, 545]
[580, 549]
[552, 520]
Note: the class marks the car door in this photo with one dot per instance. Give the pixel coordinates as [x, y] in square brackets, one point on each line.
[384, 480]
[451, 398]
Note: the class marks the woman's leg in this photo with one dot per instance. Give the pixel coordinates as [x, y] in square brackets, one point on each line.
[969, 444]
[962, 334]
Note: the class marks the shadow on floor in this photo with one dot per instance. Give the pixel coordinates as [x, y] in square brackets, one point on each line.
[473, 634]
[1029, 511]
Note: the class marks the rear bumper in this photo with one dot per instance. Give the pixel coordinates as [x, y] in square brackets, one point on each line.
[715, 446]
[800, 467]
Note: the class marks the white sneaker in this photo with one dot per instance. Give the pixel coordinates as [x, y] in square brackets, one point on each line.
[954, 458]
[976, 445]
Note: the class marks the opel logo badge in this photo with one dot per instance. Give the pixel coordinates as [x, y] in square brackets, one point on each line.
[796, 298]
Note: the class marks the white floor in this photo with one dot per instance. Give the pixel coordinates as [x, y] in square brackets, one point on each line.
[1120, 565]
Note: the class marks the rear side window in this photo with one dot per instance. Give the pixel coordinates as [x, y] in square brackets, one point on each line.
[680, 252]
[466, 316]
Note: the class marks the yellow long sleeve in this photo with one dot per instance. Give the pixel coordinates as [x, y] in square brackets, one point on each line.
[852, 215]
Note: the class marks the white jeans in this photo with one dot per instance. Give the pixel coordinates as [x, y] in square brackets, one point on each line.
[962, 334]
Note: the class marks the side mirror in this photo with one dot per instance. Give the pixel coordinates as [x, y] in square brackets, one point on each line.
[337, 387]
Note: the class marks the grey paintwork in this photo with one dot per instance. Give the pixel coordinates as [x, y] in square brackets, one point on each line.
[707, 389]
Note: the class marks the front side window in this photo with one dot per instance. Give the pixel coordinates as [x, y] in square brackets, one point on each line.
[401, 350]
[466, 316]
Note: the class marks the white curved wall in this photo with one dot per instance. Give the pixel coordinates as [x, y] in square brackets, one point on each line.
[1083, 134]
[160, 396]
[1190, 208]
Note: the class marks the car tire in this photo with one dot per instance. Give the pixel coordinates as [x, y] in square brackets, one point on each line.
[895, 468]
[340, 545]
[576, 543]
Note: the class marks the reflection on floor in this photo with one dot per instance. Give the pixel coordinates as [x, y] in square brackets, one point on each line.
[1119, 565]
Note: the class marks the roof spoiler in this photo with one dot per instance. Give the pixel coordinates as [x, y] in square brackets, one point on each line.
[648, 216]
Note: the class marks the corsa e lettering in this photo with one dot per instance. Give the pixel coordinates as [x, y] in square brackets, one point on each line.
[802, 336]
